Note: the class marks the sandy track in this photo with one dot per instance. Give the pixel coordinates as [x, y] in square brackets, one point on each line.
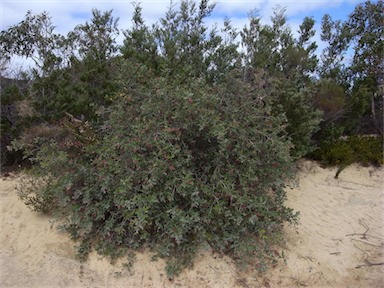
[341, 231]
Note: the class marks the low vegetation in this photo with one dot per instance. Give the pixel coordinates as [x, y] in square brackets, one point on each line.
[366, 150]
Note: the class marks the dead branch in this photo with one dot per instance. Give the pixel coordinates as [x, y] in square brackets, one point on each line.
[364, 235]
[369, 264]
[72, 118]
[368, 243]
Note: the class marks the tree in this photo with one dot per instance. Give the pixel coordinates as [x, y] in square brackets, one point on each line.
[366, 31]
[181, 46]
[335, 34]
[304, 60]
[72, 74]
[16, 114]
[360, 37]
[183, 41]
[34, 38]
[285, 66]
[96, 39]
[260, 48]
[94, 62]
[140, 43]
[224, 57]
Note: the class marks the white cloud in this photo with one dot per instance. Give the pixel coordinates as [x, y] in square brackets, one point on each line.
[233, 7]
[308, 7]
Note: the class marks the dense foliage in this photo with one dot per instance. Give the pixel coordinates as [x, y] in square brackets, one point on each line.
[173, 169]
[366, 150]
[178, 138]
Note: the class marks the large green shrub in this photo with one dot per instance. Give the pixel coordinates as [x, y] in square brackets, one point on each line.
[173, 167]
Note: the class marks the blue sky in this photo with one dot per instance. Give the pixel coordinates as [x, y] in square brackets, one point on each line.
[66, 14]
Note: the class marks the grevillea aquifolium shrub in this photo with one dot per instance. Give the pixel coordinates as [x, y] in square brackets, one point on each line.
[173, 168]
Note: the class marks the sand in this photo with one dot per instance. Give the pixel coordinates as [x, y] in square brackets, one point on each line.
[339, 242]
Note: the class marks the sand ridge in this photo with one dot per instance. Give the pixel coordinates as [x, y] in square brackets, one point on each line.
[339, 242]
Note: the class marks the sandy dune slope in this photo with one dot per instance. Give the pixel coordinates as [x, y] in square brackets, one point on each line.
[338, 243]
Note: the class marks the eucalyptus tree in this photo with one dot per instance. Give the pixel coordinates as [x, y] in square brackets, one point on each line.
[34, 39]
[366, 32]
[353, 59]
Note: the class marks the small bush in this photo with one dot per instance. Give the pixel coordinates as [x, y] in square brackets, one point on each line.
[366, 150]
[174, 168]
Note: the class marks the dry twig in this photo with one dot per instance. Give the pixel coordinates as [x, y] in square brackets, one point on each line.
[369, 264]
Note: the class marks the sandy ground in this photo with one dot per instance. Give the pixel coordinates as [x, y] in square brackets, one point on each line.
[338, 243]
